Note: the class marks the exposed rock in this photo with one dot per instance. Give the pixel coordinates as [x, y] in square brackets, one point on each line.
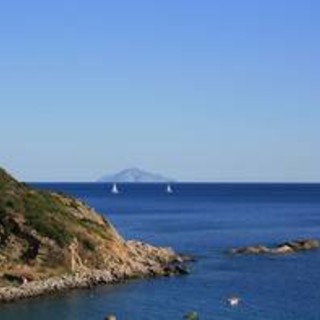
[251, 250]
[300, 245]
[282, 248]
[159, 263]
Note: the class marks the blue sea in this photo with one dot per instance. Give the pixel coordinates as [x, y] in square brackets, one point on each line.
[203, 220]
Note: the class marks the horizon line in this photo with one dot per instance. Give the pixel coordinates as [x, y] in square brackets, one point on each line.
[176, 182]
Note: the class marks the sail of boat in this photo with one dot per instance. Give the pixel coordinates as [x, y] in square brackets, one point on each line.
[169, 189]
[114, 189]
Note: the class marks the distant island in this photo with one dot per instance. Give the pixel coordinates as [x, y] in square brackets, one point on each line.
[135, 175]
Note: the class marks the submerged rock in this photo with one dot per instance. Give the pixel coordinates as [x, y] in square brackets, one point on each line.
[282, 248]
[192, 316]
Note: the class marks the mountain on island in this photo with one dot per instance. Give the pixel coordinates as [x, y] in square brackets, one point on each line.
[51, 242]
[135, 175]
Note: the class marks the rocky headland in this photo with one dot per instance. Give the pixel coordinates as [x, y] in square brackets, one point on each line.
[50, 242]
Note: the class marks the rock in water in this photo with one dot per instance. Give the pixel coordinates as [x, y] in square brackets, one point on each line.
[282, 248]
[251, 250]
[192, 316]
[233, 301]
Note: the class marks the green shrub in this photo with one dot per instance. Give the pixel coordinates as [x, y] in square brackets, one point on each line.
[88, 245]
[41, 212]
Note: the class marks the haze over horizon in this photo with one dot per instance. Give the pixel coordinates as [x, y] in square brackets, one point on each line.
[197, 91]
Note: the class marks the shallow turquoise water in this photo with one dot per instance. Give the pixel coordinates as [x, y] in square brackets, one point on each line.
[204, 220]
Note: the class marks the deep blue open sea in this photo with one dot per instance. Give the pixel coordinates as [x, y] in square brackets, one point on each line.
[204, 220]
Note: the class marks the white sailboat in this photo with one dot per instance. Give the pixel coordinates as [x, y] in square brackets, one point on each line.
[169, 189]
[114, 189]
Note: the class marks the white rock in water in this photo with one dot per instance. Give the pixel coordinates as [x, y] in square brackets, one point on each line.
[233, 301]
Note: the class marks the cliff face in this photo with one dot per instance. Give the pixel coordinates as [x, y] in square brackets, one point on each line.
[44, 234]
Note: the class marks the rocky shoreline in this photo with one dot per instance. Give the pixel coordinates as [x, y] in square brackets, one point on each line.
[154, 262]
[50, 242]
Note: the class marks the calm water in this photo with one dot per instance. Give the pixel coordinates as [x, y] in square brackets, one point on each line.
[204, 220]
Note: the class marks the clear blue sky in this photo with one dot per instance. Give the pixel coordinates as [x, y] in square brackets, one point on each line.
[221, 90]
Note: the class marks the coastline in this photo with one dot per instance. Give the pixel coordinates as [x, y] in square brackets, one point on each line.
[153, 262]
